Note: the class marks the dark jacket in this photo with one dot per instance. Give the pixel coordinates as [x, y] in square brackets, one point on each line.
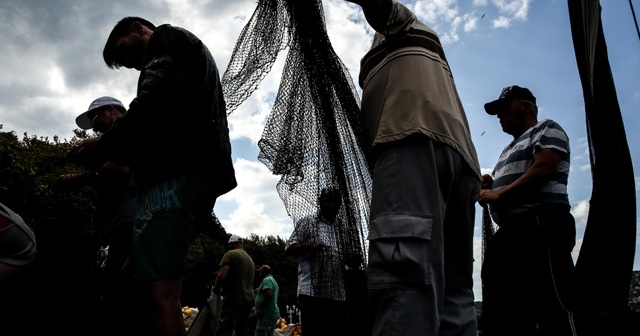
[178, 121]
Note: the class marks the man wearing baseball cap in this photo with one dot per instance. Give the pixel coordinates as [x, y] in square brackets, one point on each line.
[531, 250]
[235, 283]
[115, 205]
[508, 94]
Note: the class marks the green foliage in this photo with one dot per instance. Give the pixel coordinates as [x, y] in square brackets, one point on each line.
[62, 222]
[67, 239]
[202, 262]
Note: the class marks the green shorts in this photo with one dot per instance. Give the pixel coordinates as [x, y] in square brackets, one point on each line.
[168, 212]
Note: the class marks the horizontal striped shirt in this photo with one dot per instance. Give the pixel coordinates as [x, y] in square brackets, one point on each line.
[517, 157]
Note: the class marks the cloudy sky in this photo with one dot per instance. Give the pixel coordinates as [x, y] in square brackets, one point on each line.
[51, 68]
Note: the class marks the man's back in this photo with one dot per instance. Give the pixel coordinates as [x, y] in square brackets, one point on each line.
[238, 287]
[268, 283]
[396, 105]
[178, 119]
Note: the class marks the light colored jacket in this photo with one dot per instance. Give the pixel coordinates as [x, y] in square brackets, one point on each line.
[408, 87]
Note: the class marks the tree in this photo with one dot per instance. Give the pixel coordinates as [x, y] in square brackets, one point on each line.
[66, 274]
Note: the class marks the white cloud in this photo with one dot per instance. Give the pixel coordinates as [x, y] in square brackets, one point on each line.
[510, 10]
[257, 207]
[583, 148]
[637, 183]
[580, 212]
[445, 17]
[576, 250]
[350, 35]
[249, 118]
[517, 9]
[435, 10]
[56, 80]
[501, 22]
[471, 23]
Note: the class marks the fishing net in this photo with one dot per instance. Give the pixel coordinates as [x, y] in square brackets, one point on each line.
[488, 230]
[312, 138]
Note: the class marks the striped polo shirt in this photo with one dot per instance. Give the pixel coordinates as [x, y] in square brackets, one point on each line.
[517, 157]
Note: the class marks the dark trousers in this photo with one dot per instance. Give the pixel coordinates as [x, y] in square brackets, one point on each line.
[234, 319]
[527, 275]
[116, 288]
[319, 315]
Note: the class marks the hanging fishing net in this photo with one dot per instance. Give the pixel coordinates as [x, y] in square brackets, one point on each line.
[488, 230]
[312, 138]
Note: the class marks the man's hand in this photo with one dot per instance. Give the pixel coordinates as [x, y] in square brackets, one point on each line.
[487, 181]
[486, 194]
[84, 153]
[217, 290]
[299, 249]
[320, 246]
[71, 181]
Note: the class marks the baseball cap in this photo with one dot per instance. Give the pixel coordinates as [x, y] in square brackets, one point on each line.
[83, 121]
[235, 239]
[508, 94]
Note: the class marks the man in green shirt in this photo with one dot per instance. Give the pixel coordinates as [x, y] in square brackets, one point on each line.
[235, 283]
[267, 303]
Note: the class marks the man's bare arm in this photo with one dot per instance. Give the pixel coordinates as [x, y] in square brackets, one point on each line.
[545, 163]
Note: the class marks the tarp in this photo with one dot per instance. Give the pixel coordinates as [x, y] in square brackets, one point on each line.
[605, 261]
[206, 322]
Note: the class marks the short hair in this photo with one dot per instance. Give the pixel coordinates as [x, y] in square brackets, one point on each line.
[122, 28]
[267, 269]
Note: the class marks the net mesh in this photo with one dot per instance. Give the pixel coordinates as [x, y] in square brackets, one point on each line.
[487, 229]
[312, 138]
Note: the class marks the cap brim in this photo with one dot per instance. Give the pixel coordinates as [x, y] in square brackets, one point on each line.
[495, 106]
[83, 121]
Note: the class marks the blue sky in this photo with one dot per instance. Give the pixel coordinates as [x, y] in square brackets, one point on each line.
[51, 69]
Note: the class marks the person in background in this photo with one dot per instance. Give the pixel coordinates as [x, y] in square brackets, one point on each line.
[181, 163]
[321, 292]
[115, 207]
[528, 199]
[426, 180]
[17, 246]
[266, 306]
[18, 281]
[235, 284]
